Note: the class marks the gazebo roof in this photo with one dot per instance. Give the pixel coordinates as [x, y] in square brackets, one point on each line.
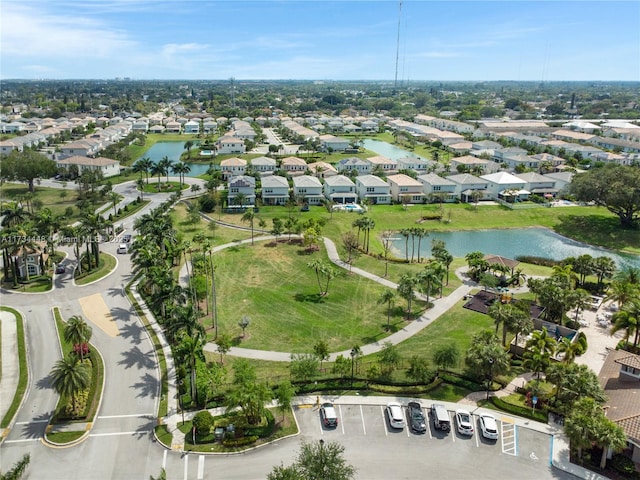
[497, 259]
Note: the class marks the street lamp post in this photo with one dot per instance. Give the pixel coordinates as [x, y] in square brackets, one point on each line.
[490, 376]
[354, 352]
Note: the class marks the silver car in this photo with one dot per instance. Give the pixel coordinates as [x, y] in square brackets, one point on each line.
[394, 412]
[465, 422]
[488, 426]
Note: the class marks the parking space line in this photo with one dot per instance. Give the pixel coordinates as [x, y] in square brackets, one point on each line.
[341, 418]
[476, 433]
[164, 459]
[186, 466]
[453, 433]
[201, 467]
[364, 429]
[384, 422]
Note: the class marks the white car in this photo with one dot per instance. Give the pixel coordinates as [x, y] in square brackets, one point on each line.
[122, 248]
[488, 426]
[394, 412]
[464, 422]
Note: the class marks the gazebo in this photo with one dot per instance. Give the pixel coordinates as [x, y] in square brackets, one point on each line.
[502, 261]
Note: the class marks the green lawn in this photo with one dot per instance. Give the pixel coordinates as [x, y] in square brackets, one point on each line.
[107, 264]
[24, 373]
[280, 294]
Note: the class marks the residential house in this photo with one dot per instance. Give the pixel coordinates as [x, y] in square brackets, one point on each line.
[382, 164]
[229, 144]
[31, 261]
[620, 379]
[546, 161]
[438, 189]
[322, 169]
[467, 184]
[275, 190]
[417, 164]
[571, 136]
[308, 189]
[106, 166]
[561, 179]
[507, 187]
[369, 126]
[356, 164]
[329, 143]
[473, 164]
[405, 189]
[209, 125]
[340, 189]
[191, 127]
[539, 184]
[173, 126]
[293, 165]
[84, 147]
[245, 185]
[374, 189]
[233, 167]
[263, 165]
[503, 154]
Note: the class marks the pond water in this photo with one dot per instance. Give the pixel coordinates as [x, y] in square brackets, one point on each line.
[173, 150]
[511, 243]
[387, 150]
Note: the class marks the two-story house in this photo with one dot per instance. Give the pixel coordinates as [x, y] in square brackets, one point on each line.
[340, 189]
[438, 189]
[507, 187]
[275, 190]
[467, 184]
[373, 189]
[245, 185]
[232, 167]
[229, 144]
[263, 165]
[351, 164]
[308, 189]
[405, 189]
[293, 166]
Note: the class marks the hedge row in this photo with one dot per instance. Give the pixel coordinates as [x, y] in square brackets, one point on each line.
[519, 410]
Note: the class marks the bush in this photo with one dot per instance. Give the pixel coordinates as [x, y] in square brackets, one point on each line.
[239, 442]
[518, 410]
[545, 262]
[203, 421]
[623, 464]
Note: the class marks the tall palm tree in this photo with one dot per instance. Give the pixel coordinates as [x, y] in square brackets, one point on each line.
[500, 313]
[622, 292]
[429, 278]
[159, 170]
[538, 351]
[610, 436]
[388, 296]
[70, 376]
[628, 319]
[406, 289]
[143, 165]
[181, 169]
[166, 165]
[603, 267]
[190, 350]
[249, 217]
[14, 214]
[446, 259]
[48, 224]
[114, 198]
[77, 332]
[368, 224]
[93, 225]
[140, 184]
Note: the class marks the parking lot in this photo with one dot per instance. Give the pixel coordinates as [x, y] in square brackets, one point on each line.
[378, 450]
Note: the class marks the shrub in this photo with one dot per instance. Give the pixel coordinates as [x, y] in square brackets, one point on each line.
[240, 442]
[203, 421]
[518, 410]
[623, 464]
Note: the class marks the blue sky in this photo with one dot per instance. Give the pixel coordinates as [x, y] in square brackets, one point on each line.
[340, 40]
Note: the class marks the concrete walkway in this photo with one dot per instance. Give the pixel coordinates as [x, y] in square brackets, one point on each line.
[10, 374]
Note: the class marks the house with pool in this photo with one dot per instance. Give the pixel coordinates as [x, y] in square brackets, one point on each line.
[340, 189]
[373, 189]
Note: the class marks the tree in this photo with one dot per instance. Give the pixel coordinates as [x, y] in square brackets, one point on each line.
[277, 229]
[243, 323]
[321, 350]
[538, 351]
[486, 357]
[387, 297]
[70, 376]
[446, 356]
[418, 370]
[284, 396]
[430, 277]
[209, 378]
[159, 170]
[406, 289]
[18, 469]
[603, 267]
[189, 351]
[246, 393]
[628, 319]
[389, 358]
[610, 436]
[166, 164]
[579, 424]
[143, 165]
[350, 244]
[202, 422]
[249, 217]
[26, 166]
[304, 366]
[181, 169]
[223, 345]
[614, 187]
[14, 214]
[78, 333]
[316, 461]
[324, 272]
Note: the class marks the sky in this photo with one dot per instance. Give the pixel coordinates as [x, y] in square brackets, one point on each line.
[539, 40]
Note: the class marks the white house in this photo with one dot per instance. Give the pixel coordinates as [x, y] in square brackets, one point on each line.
[322, 169]
[507, 187]
[242, 184]
[308, 188]
[340, 189]
[539, 184]
[275, 190]
[356, 164]
[467, 184]
[263, 165]
[374, 189]
[418, 165]
[232, 167]
[293, 165]
[438, 189]
[334, 144]
[192, 127]
[229, 144]
[382, 163]
[405, 189]
[85, 148]
[106, 166]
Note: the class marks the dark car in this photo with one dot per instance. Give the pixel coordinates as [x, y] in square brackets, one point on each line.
[328, 414]
[61, 269]
[126, 238]
[417, 421]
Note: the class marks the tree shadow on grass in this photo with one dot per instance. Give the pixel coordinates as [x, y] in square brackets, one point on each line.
[598, 230]
[309, 297]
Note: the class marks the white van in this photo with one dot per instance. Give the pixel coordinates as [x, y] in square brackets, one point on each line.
[440, 416]
[122, 248]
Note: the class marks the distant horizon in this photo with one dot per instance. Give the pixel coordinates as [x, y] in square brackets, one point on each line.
[333, 40]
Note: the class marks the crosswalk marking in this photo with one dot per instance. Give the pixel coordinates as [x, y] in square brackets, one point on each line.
[509, 440]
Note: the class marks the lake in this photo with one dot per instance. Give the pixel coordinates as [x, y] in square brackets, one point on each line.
[511, 243]
[387, 150]
[173, 150]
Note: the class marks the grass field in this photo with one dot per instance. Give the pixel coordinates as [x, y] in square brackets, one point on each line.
[280, 294]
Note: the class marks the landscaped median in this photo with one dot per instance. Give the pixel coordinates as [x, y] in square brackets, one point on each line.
[79, 379]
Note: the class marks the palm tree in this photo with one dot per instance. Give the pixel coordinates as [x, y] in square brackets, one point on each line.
[445, 258]
[420, 233]
[580, 299]
[570, 350]
[181, 169]
[538, 351]
[94, 226]
[140, 184]
[388, 296]
[249, 217]
[188, 145]
[78, 333]
[603, 267]
[70, 376]
[367, 225]
[406, 289]
[240, 199]
[628, 319]
[190, 350]
[157, 169]
[500, 313]
[406, 233]
[610, 436]
[14, 214]
[622, 292]
[429, 278]
[143, 165]
[114, 198]
[166, 165]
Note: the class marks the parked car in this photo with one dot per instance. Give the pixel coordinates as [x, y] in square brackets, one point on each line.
[126, 238]
[61, 269]
[394, 412]
[328, 415]
[416, 418]
[122, 248]
[488, 426]
[464, 422]
[440, 416]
